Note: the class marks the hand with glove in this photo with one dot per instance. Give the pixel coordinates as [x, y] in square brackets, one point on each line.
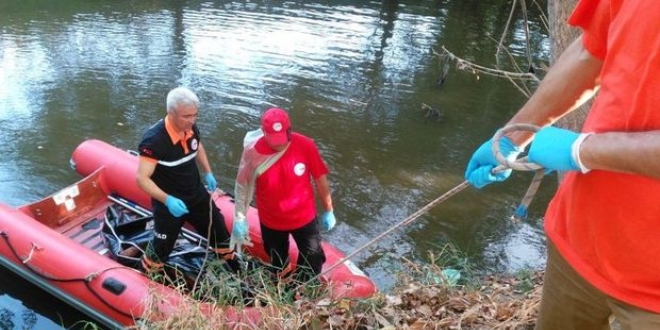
[328, 221]
[211, 184]
[176, 206]
[557, 149]
[479, 170]
[239, 235]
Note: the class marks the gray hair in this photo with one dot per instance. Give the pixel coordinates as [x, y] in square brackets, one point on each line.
[181, 96]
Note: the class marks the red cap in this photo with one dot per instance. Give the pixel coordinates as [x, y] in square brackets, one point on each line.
[275, 123]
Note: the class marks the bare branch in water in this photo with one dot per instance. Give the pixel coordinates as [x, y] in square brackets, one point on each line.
[467, 65]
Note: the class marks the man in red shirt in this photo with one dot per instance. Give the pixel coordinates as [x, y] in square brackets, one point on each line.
[602, 224]
[278, 166]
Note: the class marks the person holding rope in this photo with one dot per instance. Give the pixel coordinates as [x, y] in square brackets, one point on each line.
[278, 166]
[602, 223]
[170, 153]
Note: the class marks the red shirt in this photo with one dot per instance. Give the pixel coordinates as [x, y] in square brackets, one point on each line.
[284, 192]
[607, 224]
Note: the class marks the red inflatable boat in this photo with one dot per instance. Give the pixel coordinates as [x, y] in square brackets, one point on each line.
[57, 243]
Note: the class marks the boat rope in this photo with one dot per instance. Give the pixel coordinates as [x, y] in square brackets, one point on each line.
[35, 247]
[520, 164]
[208, 241]
[120, 241]
[86, 280]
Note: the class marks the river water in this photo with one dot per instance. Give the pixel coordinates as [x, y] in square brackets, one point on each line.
[355, 76]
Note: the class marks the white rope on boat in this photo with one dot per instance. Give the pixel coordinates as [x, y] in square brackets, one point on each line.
[35, 247]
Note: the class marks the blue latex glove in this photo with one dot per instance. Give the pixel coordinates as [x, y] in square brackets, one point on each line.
[328, 220]
[176, 206]
[239, 235]
[479, 169]
[552, 149]
[211, 184]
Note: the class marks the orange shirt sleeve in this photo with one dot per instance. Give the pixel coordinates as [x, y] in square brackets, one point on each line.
[593, 17]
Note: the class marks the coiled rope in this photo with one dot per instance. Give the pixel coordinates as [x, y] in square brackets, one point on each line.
[520, 164]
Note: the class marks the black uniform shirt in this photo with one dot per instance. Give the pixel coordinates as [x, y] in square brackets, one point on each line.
[176, 171]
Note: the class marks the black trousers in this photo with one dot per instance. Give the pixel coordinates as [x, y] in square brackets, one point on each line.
[310, 253]
[167, 227]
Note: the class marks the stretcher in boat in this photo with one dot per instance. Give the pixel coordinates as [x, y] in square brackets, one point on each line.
[58, 244]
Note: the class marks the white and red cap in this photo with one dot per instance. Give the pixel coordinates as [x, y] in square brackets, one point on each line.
[275, 124]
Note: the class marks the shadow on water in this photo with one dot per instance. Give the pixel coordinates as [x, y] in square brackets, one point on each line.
[354, 76]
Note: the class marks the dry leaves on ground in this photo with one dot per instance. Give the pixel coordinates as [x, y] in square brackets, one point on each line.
[499, 303]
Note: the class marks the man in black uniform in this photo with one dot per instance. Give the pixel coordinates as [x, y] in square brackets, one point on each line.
[170, 153]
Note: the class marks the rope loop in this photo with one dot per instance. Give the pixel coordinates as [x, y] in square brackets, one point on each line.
[520, 164]
[34, 248]
[90, 277]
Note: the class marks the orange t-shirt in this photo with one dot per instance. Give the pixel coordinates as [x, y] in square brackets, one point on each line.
[607, 224]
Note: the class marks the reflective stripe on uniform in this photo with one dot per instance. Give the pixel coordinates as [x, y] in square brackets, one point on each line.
[178, 161]
[225, 254]
[150, 265]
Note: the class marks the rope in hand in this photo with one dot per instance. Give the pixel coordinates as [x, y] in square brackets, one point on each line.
[520, 164]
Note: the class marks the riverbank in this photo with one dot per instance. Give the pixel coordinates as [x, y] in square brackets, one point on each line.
[422, 299]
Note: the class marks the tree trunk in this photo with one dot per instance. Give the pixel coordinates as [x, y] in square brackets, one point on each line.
[561, 35]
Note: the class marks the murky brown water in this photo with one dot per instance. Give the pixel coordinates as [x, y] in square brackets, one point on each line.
[354, 77]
